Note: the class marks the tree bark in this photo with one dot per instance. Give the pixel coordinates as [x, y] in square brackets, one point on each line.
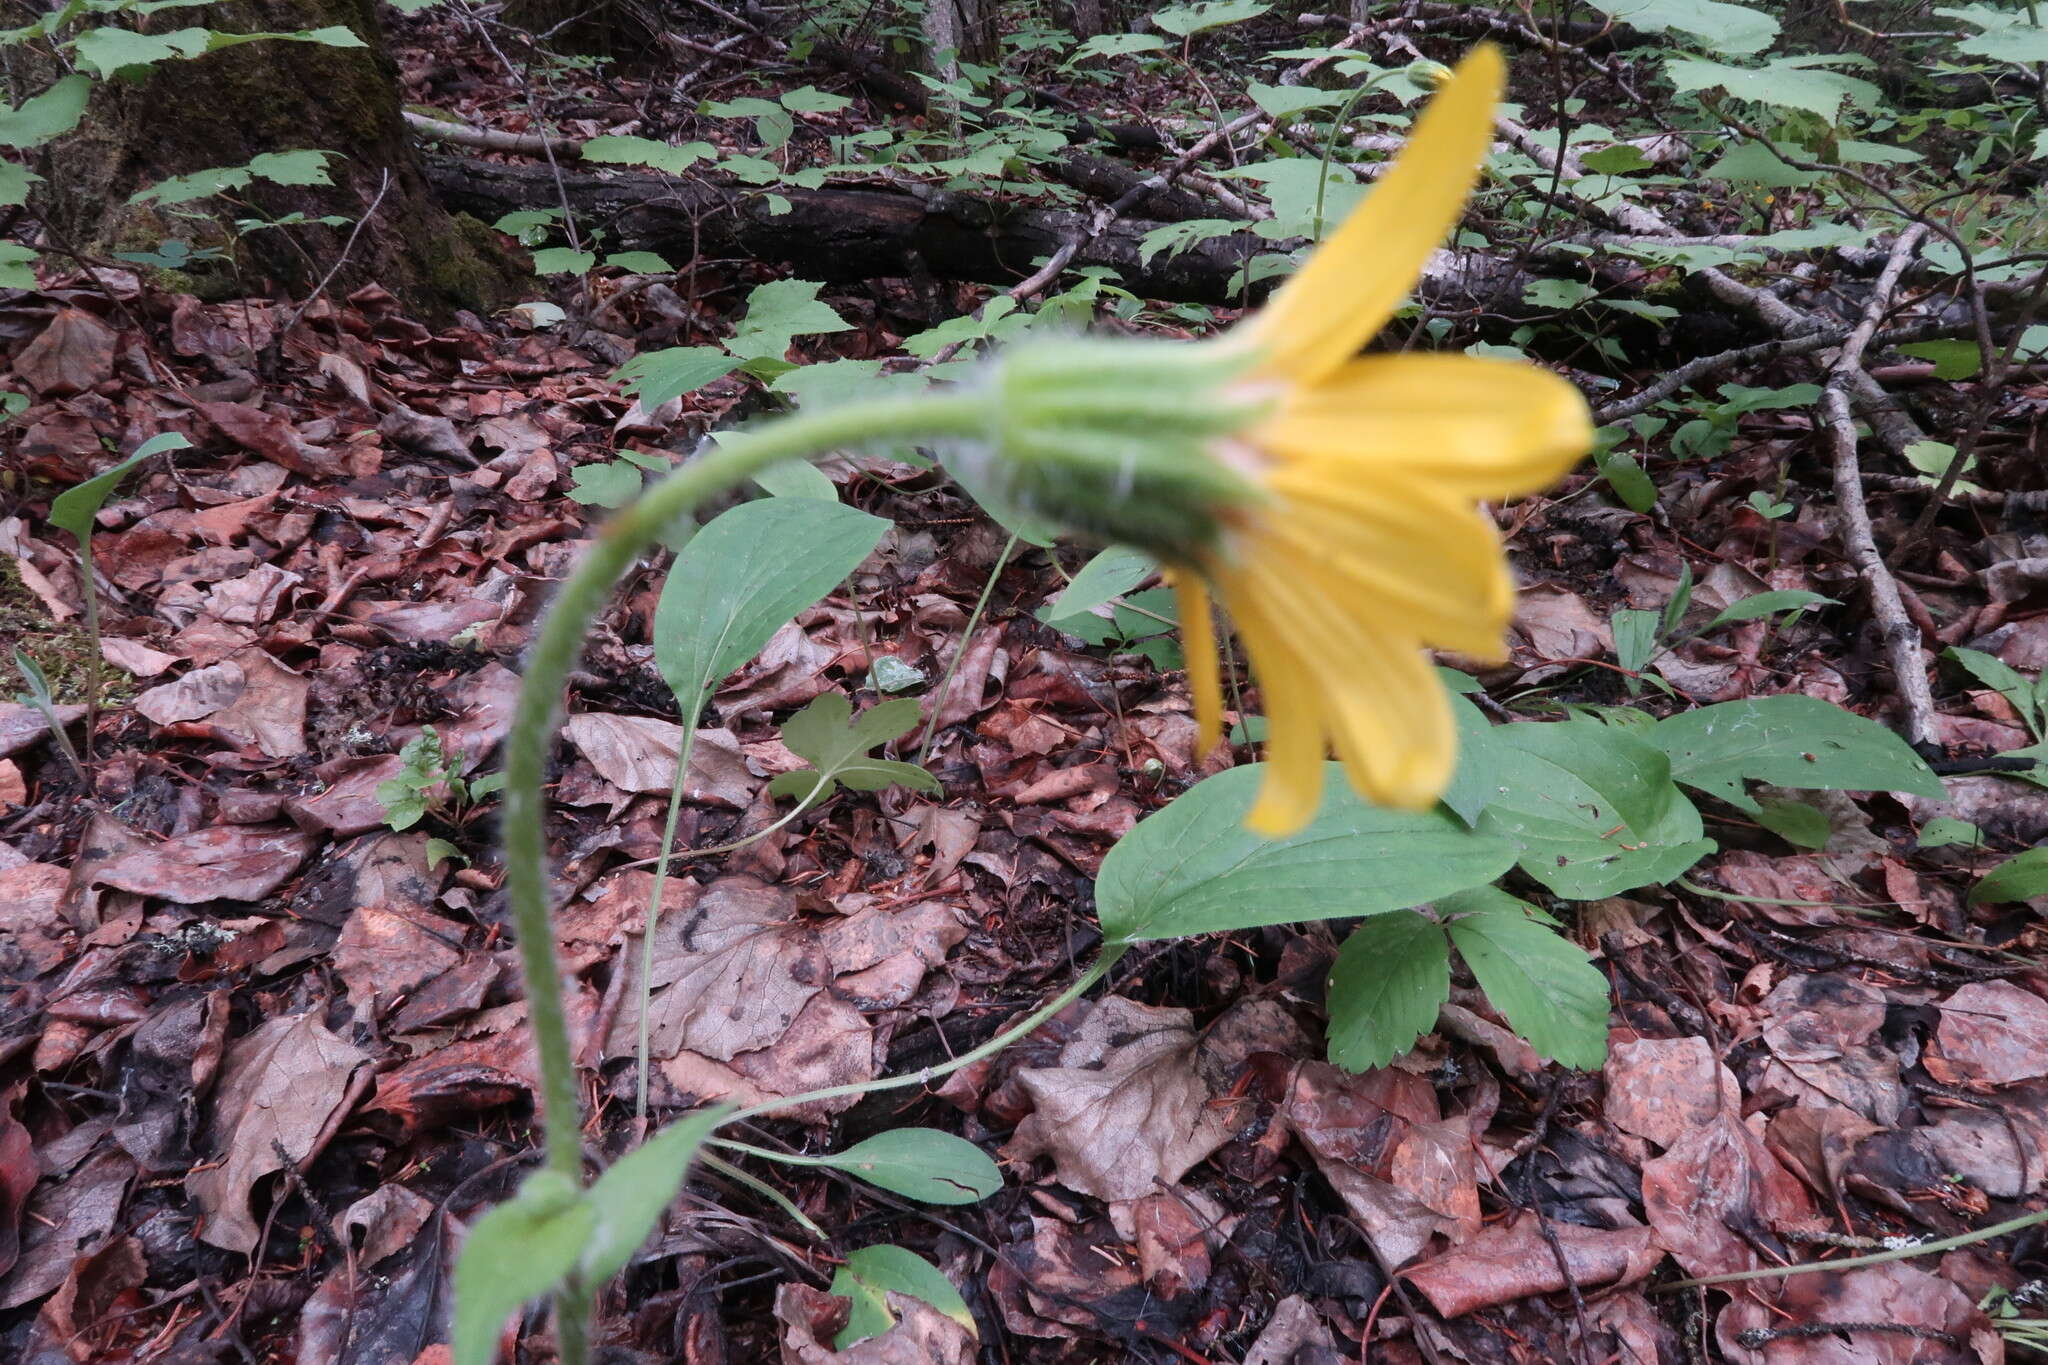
[228, 106]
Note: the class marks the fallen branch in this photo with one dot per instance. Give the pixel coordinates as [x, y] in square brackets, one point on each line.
[1902, 642]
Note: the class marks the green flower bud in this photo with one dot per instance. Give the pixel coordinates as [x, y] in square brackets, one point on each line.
[1119, 440]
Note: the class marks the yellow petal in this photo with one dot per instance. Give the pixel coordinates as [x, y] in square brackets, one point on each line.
[1440, 578]
[1198, 642]
[1477, 428]
[1353, 282]
[1293, 785]
[1380, 699]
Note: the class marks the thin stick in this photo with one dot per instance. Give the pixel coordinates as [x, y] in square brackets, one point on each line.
[931, 728]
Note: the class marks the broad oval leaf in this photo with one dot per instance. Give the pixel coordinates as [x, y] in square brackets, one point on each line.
[1542, 983]
[517, 1252]
[1390, 978]
[742, 576]
[922, 1164]
[1193, 868]
[873, 1272]
[1591, 808]
[1788, 741]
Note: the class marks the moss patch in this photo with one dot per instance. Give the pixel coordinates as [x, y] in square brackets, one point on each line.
[63, 650]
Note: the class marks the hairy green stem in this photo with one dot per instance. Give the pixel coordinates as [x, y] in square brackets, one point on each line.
[559, 645]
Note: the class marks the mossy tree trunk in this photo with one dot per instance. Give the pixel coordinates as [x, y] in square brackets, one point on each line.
[228, 106]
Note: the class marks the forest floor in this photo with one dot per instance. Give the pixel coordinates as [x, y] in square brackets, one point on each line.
[266, 1057]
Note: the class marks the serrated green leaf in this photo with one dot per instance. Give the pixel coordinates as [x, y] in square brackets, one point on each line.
[779, 312]
[49, 115]
[562, 260]
[1390, 979]
[628, 1199]
[14, 182]
[924, 1164]
[1287, 101]
[872, 1273]
[654, 377]
[1619, 159]
[639, 262]
[837, 743]
[612, 484]
[1590, 807]
[1731, 29]
[1193, 868]
[1542, 983]
[743, 576]
[517, 1252]
[619, 149]
[73, 510]
[1788, 741]
[103, 51]
[2016, 879]
[1184, 20]
[1784, 82]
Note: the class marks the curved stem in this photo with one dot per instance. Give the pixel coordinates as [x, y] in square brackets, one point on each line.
[931, 729]
[560, 643]
[642, 1053]
[1852, 1262]
[1110, 954]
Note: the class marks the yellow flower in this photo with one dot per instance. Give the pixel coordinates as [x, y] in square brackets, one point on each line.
[1369, 542]
[1330, 500]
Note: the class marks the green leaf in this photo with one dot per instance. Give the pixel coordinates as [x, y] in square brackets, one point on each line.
[1628, 480]
[1591, 808]
[617, 149]
[1996, 674]
[924, 1164]
[743, 576]
[796, 479]
[777, 313]
[1117, 45]
[837, 744]
[103, 51]
[1783, 82]
[628, 1199]
[807, 99]
[73, 510]
[1945, 830]
[1952, 359]
[613, 484]
[1193, 868]
[1788, 741]
[1114, 572]
[654, 377]
[1731, 29]
[1635, 640]
[1286, 101]
[1390, 978]
[1770, 604]
[1542, 983]
[304, 166]
[517, 1252]
[2015, 879]
[1183, 20]
[562, 260]
[439, 851]
[1795, 822]
[639, 262]
[49, 115]
[14, 182]
[1752, 163]
[1619, 159]
[872, 1273]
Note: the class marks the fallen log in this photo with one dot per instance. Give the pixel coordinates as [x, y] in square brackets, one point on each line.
[846, 233]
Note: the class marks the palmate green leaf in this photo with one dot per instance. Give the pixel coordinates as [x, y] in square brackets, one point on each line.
[777, 313]
[1788, 741]
[103, 51]
[517, 1252]
[49, 115]
[619, 149]
[14, 182]
[73, 510]
[872, 1273]
[1783, 82]
[1591, 808]
[563, 260]
[743, 576]
[1114, 572]
[1542, 983]
[827, 733]
[1390, 978]
[1193, 868]
[924, 1164]
[654, 377]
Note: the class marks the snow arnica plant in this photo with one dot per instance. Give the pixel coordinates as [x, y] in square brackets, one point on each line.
[1329, 499]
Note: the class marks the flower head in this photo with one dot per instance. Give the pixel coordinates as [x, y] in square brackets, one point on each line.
[1330, 500]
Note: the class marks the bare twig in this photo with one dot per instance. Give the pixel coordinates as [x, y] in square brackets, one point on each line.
[1901, 637]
